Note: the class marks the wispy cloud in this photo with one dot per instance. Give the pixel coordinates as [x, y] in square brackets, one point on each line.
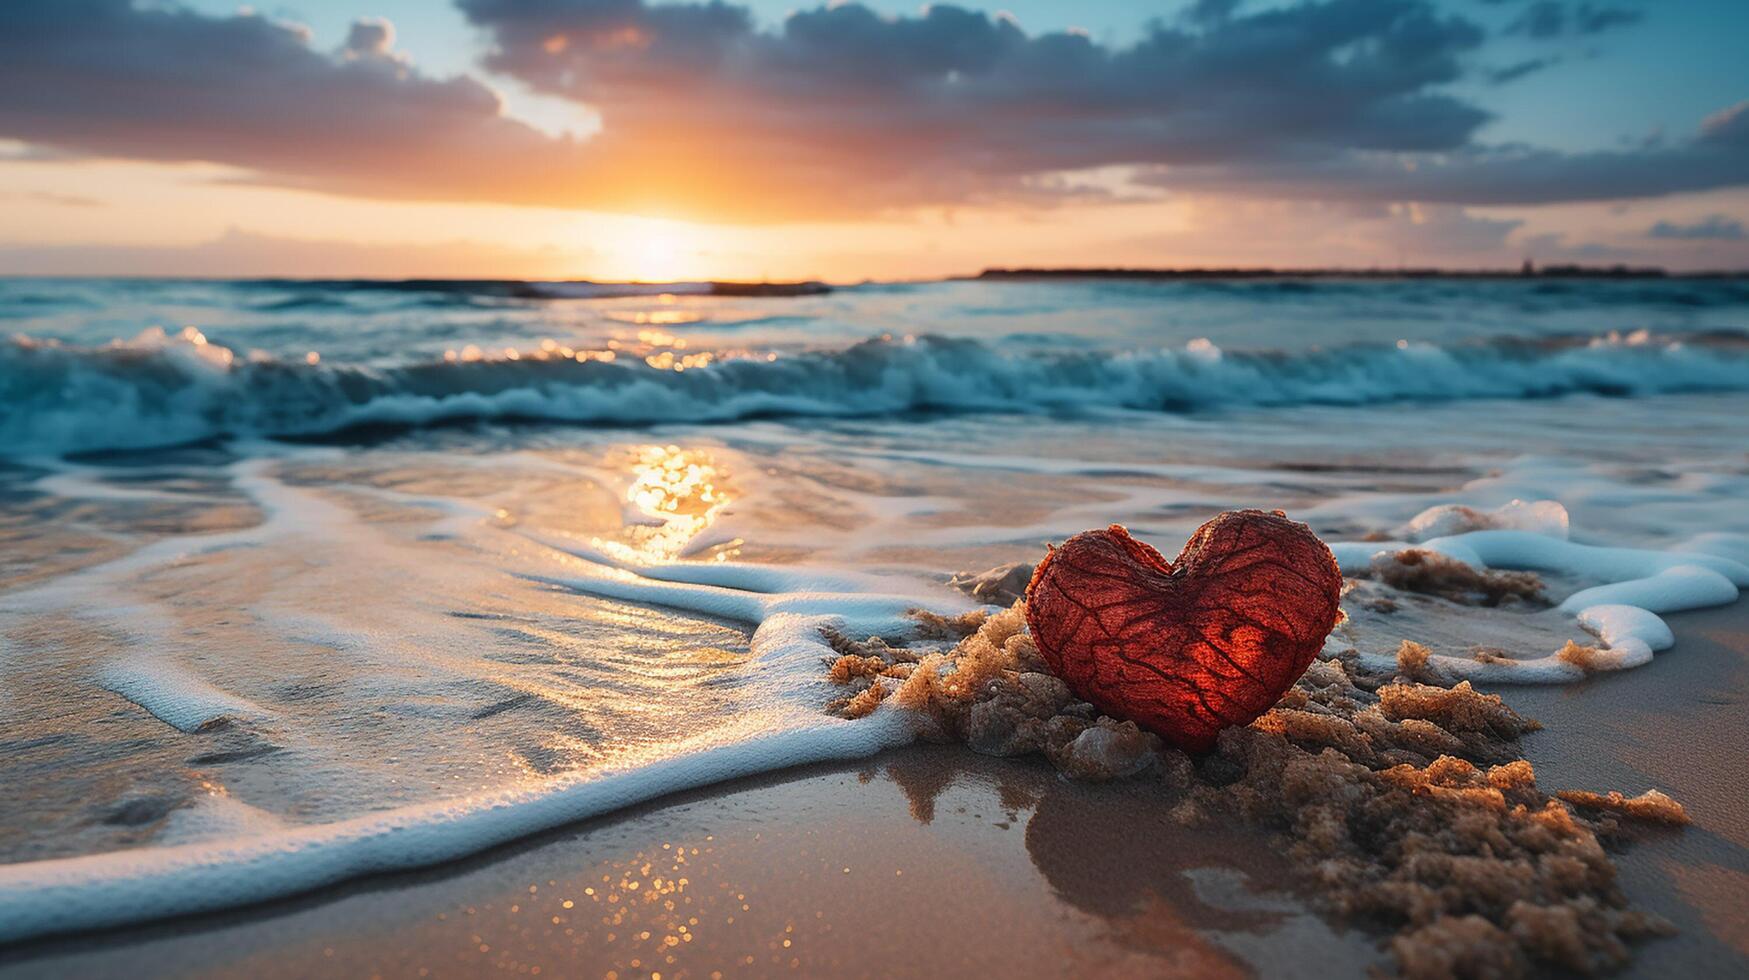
[1514, 72]
[1546, 20]
[51, 198]
[239, 252]
[1713, 227]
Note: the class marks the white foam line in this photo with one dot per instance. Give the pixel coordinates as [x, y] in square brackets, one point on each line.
[1523, 549]
[1673, 589]
[883, 614]
[745, 607]
[782, 727]
[1535, 670]
[745, 576]
[146, 674]
[173, 695]
[458, 516]
[82, 483]
[125, 887]
[1622, 612]
[1637, 633]
[1188, 472]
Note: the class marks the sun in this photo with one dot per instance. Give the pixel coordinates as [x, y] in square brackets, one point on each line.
[652, 250]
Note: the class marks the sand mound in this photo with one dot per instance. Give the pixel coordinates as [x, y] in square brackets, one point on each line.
[1406, 806]
[993, 692]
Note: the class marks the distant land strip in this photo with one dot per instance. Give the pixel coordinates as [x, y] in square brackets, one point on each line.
[1528, 271]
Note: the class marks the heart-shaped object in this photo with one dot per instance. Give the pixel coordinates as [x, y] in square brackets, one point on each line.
[1190, 647]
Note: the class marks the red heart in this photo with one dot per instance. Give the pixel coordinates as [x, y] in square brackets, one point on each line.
[1188, 648]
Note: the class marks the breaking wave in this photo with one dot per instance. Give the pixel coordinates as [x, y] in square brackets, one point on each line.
[160, 390]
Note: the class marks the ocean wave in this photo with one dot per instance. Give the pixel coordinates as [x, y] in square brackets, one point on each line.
[160, 390]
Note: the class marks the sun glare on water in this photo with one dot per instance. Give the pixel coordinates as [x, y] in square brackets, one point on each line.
[681, 491]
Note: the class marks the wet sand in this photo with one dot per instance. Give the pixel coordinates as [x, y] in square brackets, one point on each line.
[1679, 727]
[935, 861]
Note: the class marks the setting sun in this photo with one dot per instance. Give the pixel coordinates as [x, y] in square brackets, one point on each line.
[654, 250]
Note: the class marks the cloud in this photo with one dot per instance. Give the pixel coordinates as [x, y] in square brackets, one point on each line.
[834, 112]
[371, 37]
[840, 111]
[1728, 127]
[1226, 232]
[18, 151]
[51, 198]
[104, 78]
[1549, 19]
[954, 105]
[1542, 20]
[1557, 247]
[1716, 157]
[1514, 72]
[1595, 20]
[1713, 227]
[1211, 11]
[242, 253]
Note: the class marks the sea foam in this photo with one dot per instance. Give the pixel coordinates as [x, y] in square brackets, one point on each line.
[1636, 584]
[780, 725]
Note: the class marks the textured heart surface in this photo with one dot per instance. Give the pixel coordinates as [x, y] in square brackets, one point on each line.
[1189, 647]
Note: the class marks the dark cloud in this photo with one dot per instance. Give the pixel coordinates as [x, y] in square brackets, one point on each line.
[104, 78]
[957, 105]
[1549, 19]
[1542, 20]
[1211, 11]
[1728, 127]
[1718, 156]
[1594, 20]
[1713, 227]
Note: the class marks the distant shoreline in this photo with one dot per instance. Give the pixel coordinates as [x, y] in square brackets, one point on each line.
[1527, 272]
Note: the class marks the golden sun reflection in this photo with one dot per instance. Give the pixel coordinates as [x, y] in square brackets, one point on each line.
[658, 318]
[682, 491]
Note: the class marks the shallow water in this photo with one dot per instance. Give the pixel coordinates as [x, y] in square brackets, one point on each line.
[418, 597]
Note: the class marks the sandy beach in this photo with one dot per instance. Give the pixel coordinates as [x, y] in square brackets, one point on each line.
[644, 489]
[934, 861]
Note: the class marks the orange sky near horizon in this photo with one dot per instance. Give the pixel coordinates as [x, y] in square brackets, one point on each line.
[201, 219]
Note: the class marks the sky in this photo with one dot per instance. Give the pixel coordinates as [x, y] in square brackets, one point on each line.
[750, 139]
